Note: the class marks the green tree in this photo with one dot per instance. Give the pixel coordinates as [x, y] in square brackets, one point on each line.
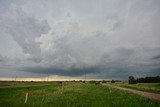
[132, 80]
[113, 81]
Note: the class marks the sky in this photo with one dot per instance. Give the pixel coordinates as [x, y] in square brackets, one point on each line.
[102, 39]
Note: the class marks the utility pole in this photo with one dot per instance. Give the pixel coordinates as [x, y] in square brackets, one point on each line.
[84, 75]
[15, 78]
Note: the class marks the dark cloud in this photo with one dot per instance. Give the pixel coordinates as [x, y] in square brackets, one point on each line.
[62, 72]
[115, 40]
[156, 57]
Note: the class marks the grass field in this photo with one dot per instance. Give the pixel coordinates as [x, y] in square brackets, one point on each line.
[149, 87]
[68, 94]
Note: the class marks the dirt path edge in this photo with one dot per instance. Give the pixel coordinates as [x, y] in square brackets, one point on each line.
[149, 95]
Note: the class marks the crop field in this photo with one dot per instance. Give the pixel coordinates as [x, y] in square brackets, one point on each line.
[149, 87]
[68, 94]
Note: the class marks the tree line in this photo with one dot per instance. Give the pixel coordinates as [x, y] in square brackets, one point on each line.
[132, 80]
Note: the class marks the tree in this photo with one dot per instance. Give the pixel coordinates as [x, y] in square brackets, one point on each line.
[113, 81]
[148, 79]
[132, 80]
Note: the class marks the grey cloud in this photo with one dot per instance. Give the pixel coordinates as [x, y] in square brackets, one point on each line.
[5, 61]
[24, 30]
[63, 72]
[2, 59]
[156, 57]
[107, 38]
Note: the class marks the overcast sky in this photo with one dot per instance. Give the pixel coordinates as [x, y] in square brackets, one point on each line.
[109, 39]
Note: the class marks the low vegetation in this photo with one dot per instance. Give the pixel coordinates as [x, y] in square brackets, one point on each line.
[68, 94]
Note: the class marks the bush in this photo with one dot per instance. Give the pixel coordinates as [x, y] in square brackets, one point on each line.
[132, 80]
[113, 81]
[92, 81]
[98, 82]
[60, 82]
[103, 81]
[83, 81]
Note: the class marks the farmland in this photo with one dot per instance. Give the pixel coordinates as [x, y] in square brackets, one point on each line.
[68, 94]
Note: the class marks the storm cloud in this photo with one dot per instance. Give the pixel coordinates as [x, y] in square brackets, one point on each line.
[104, 39]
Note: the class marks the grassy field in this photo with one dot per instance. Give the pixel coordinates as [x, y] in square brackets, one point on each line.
[149, 87]
[68, 94]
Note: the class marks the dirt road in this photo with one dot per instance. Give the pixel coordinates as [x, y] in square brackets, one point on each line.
[142, 93]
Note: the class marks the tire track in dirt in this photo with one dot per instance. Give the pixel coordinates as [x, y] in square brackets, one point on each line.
[149, 95]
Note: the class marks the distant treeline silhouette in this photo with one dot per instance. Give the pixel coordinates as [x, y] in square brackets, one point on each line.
[132, 80]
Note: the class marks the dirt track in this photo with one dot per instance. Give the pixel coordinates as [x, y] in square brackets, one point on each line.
[142, 93]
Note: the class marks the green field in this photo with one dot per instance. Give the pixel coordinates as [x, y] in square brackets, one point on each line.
[149, 87]
[68, 94]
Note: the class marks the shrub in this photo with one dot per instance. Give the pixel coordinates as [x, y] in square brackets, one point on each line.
[132, 80]
[113, 81]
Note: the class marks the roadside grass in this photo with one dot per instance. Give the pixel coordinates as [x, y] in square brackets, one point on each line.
[71, 94]
[148, 87]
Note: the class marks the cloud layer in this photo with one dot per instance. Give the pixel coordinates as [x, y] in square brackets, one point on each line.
[104, 39]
